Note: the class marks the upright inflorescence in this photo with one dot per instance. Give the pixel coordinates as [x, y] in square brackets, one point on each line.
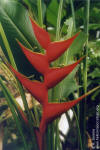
[52, 76]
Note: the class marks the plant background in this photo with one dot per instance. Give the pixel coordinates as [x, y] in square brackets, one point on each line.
[15, 21]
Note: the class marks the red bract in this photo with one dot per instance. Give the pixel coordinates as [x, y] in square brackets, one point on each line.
[36, 88]
[39, 61]
[52, 76]
[55, 75]
[53, 49]
[41, 35]
[53, 110]
[58, 48]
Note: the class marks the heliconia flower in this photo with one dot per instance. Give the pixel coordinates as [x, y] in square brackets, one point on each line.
[41, 35]
[55, 75]
[39, 61]
[36, 88]
[53, 110]
[52, 76]
[53, 49]
[40, 90]
[56, 49]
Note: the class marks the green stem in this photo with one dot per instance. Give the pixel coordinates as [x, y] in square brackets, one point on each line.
[7, 46]
[39, 4]
[49, 138]
[86, 24]
[8, 74]
[14, 114]
[29, 116]
[21, 90]
[57, 138]
[53, 136]
[12, 99]
[73, 14]
[36, 113]
[83, 105]
[78, 127]
[55, 90]
[59, 20]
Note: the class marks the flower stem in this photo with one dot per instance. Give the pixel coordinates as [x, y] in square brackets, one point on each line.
[76, 114]
[39, 4]
[86, 24]
[83, 105]
[79, 133]
[53, 136]
[55, 90]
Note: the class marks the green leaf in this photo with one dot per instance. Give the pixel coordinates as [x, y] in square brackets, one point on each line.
[66, 87]
[16, 18]
[69, 26]
[69, 84]
[95, 73]
[9, 99]
[93, 97]
[33, 8]
[77, 45]
[15, 21]
[94, 26]
[52, 12]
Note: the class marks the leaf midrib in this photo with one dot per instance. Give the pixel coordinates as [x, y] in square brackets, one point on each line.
[15, 26]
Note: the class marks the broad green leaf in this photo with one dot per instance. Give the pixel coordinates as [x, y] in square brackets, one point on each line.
[69, 84]
[66, 87]
[77, 45]
[28, 3]
[15, 21]
[52, 12]
[33, 10]
[15, 17]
